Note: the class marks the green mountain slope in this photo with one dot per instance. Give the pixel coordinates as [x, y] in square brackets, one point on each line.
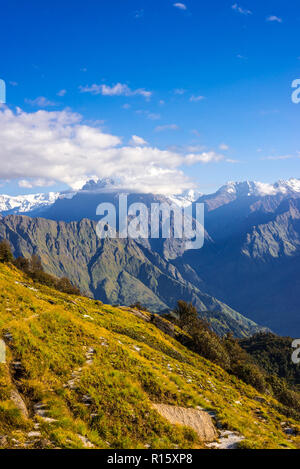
[115, 271]
[79, 374]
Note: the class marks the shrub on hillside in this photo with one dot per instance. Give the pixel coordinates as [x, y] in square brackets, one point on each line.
[5, 252]
[33, 267]
[283, 394]
[137, 305]
[242, 364]
[273, 353]
[203, 340]
[250, 374]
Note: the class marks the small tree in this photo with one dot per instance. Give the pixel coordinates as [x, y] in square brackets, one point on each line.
[23, 264]
[5, 252]
[35, 264]
[187, 315]
[64, 285]
[204, 341]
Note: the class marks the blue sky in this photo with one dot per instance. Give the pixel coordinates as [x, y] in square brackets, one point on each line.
[200, 78]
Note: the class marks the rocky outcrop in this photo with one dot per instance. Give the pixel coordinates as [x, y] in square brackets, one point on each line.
[198, 420]
[165, 326]
[19, 403]
[2, 351]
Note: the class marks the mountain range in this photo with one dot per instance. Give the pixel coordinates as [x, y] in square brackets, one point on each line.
[249, 263]
[115, 271]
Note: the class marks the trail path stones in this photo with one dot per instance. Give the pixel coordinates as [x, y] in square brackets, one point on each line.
[75, 376]
[227, 440]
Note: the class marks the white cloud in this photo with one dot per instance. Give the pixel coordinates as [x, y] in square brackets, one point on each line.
[137, 141]
[41, 101]
[196, 99]
[179, 91]
[205, 157]
[161, 128]
[181, 6]
[25, 183]
[274, 18]
[43, 147]
[116, 90]
[241, 10]
[153, 116]
[224, 147]
[150, 115]
[195, 148]
[230, 160]
[62, 93]
[279, 157]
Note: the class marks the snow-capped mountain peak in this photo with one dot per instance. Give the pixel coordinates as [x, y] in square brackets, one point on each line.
[26, 203]
[94, 185]
[37, 202]
[260, 189]
[186, 198]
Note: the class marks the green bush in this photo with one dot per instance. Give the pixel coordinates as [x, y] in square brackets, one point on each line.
[250, 374]
[5, 252]
[203, 340]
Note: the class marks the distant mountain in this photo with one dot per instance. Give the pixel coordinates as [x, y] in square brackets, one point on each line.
[250, 259]
[114, 271]
[253, 261]
[186, 198]
[26, 203]
[34, 204]
[240, 190]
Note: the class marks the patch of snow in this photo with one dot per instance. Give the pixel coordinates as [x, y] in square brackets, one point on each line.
[186, 198]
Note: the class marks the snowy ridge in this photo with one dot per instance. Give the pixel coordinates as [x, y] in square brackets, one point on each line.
[35, 202]
[26, 203]
[186, 199]
[248, 188]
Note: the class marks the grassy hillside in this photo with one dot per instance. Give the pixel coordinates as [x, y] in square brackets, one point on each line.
[82, 374]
